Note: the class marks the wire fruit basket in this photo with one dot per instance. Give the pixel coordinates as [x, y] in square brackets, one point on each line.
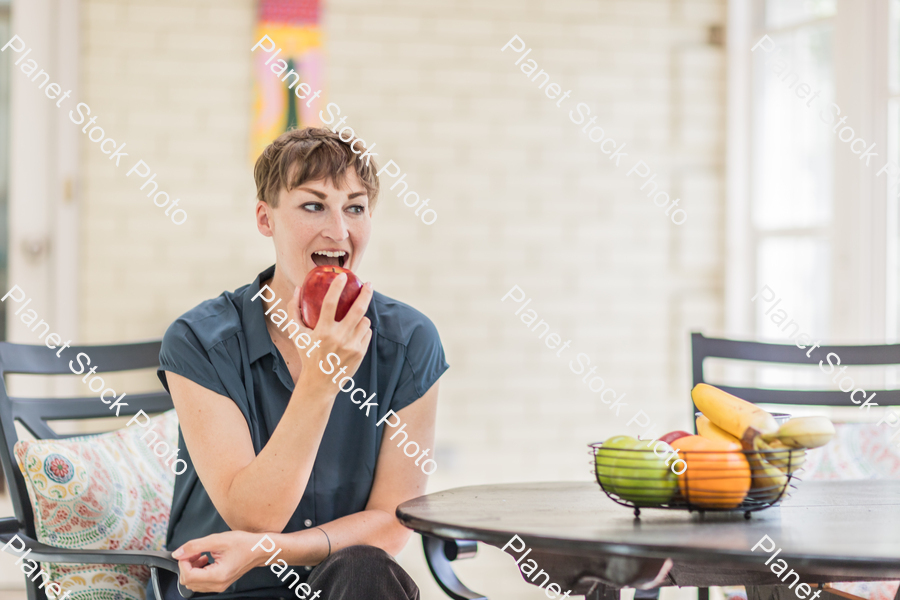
[712, 480]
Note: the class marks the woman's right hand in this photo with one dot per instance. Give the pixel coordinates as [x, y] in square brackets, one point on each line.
[233, 553]
[348, 338]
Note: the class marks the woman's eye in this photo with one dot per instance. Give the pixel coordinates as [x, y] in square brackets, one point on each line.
[313, 206]
[357, 209]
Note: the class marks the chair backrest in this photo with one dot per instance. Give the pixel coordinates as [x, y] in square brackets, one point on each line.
[703, 347]
[33, 413]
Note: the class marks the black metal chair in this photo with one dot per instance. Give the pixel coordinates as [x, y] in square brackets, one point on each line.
[33, 414]
[703, 347]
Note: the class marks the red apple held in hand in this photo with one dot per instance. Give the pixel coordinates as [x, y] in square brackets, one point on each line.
[316, 285]
[672, 436]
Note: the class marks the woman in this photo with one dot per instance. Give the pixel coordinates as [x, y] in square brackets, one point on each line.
[281, 462]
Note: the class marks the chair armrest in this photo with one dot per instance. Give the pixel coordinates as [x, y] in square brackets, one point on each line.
[10, 525]
[161, 559]
[155, 559]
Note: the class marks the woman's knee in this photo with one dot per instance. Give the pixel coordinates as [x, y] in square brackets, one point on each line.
[352, 570]
[361, 554]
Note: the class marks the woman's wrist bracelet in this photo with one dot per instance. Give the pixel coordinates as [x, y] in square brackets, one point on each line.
[327, 538]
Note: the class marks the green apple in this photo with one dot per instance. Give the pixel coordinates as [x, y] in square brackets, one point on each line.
[642, 476]
[606, 457]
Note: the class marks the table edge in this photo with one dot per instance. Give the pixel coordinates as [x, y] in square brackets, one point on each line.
[889, 567]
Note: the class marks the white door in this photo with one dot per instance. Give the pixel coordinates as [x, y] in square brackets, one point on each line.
[43, 153]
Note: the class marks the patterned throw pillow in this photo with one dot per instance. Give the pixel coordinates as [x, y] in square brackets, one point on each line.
[858, 451]
[107, 492]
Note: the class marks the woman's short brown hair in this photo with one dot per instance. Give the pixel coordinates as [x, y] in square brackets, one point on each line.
[310, 154]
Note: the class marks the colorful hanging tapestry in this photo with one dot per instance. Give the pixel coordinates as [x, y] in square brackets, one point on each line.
[296, 39]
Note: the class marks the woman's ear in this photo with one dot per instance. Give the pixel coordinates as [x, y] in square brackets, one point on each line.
[264, 221]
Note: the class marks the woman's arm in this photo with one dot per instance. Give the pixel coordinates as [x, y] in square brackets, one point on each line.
[253, 492]
[397, 479]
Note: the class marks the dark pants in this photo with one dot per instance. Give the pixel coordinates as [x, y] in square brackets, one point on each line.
[354, 573]
[362, 573]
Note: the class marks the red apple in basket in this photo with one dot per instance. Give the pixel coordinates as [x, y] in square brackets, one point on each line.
[672, 436]
[316, 285]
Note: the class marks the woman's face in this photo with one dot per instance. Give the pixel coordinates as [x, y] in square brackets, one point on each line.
[318, 224]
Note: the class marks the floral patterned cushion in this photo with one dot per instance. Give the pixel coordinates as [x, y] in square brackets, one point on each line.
[858, 451]
[106, 491]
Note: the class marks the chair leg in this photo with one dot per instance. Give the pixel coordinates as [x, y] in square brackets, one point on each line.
[766, 592]
[783, 592]
[602, 592]
[154, 579]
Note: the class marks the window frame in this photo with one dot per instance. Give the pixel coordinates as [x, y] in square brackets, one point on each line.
[863, 277]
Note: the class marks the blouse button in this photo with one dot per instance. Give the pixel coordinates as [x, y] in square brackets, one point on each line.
[308, 522]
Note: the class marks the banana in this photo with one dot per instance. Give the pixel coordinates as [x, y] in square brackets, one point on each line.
[782, 455]
[730, 413]
[803, 432]
[767, 481]
[711, 431]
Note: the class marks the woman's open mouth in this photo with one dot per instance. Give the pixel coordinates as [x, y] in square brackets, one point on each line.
[335, 258]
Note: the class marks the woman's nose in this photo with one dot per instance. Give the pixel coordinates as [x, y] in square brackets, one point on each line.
[336, 228]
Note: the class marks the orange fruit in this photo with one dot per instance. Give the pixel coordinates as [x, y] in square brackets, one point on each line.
[717, 475]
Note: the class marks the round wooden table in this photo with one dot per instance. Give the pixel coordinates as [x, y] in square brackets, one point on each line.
[828, 531]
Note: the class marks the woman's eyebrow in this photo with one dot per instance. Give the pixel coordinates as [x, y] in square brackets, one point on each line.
[315, 193]
[322, 196]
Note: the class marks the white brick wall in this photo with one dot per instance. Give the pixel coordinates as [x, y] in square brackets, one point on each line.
[170, 80]
[522, 196]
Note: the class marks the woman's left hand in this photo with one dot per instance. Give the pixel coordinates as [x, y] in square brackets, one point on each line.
[233, 556]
